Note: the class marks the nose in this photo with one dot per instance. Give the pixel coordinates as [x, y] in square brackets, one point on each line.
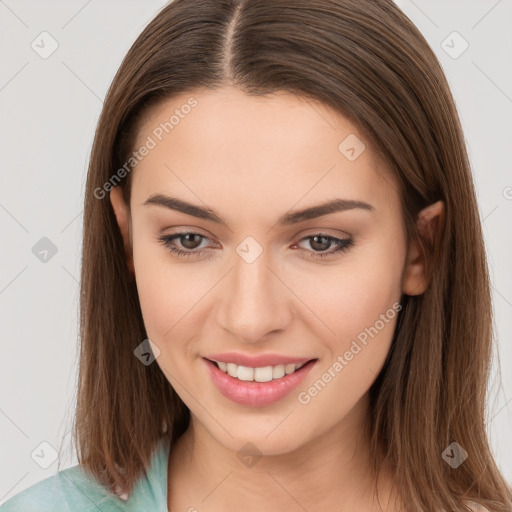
[254, 301]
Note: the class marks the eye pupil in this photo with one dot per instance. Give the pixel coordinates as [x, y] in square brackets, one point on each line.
[190, 244]
[323, 246]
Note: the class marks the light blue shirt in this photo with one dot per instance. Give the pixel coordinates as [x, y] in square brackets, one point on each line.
[72, 490]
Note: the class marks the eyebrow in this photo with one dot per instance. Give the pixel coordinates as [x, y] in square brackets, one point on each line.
[294, 217]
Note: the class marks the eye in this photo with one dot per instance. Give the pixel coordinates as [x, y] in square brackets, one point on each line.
[322, 242]
[188, 240]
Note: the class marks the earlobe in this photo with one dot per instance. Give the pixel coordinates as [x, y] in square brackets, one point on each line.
[430, 223]
[123, 218]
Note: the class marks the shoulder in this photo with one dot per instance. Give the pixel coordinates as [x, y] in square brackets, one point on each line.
[70, 490]
[75, 490]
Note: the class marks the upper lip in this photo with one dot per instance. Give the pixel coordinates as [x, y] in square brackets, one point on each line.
[257, 361]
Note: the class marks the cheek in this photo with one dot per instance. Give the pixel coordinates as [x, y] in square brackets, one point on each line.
[361, 306]
[165, 292]
[348, 298]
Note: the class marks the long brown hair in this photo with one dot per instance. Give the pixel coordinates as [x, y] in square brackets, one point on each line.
[365, 59]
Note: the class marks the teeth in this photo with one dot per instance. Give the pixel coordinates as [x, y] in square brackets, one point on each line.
[263, 374]
[245, 373]
[289, 368]
[232, 369]
[278, 371]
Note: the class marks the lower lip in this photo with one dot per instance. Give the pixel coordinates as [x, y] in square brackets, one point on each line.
[256, 393]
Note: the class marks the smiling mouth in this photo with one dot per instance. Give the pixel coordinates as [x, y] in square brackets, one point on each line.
[259, 374]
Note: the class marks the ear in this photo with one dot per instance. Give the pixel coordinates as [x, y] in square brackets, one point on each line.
[123, 217]
[430, 223]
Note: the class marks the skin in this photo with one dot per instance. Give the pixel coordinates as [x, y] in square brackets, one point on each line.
[252, 159]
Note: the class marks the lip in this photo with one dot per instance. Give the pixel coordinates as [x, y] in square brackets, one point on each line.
[257, 394]
[258, 361]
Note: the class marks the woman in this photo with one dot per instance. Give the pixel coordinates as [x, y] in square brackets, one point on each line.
[285, 299]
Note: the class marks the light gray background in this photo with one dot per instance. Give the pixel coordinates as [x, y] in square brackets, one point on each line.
[49, 109]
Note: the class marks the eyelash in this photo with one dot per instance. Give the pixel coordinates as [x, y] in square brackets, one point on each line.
[168, 241]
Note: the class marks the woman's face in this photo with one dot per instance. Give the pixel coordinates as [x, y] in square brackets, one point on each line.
[258, 278]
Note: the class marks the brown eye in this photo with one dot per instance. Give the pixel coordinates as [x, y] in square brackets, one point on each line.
[190, 240]
[320, 243]
[187, 246]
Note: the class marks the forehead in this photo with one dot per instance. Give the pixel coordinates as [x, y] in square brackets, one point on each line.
[260, 151]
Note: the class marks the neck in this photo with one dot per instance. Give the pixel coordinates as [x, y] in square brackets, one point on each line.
[329, 472]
